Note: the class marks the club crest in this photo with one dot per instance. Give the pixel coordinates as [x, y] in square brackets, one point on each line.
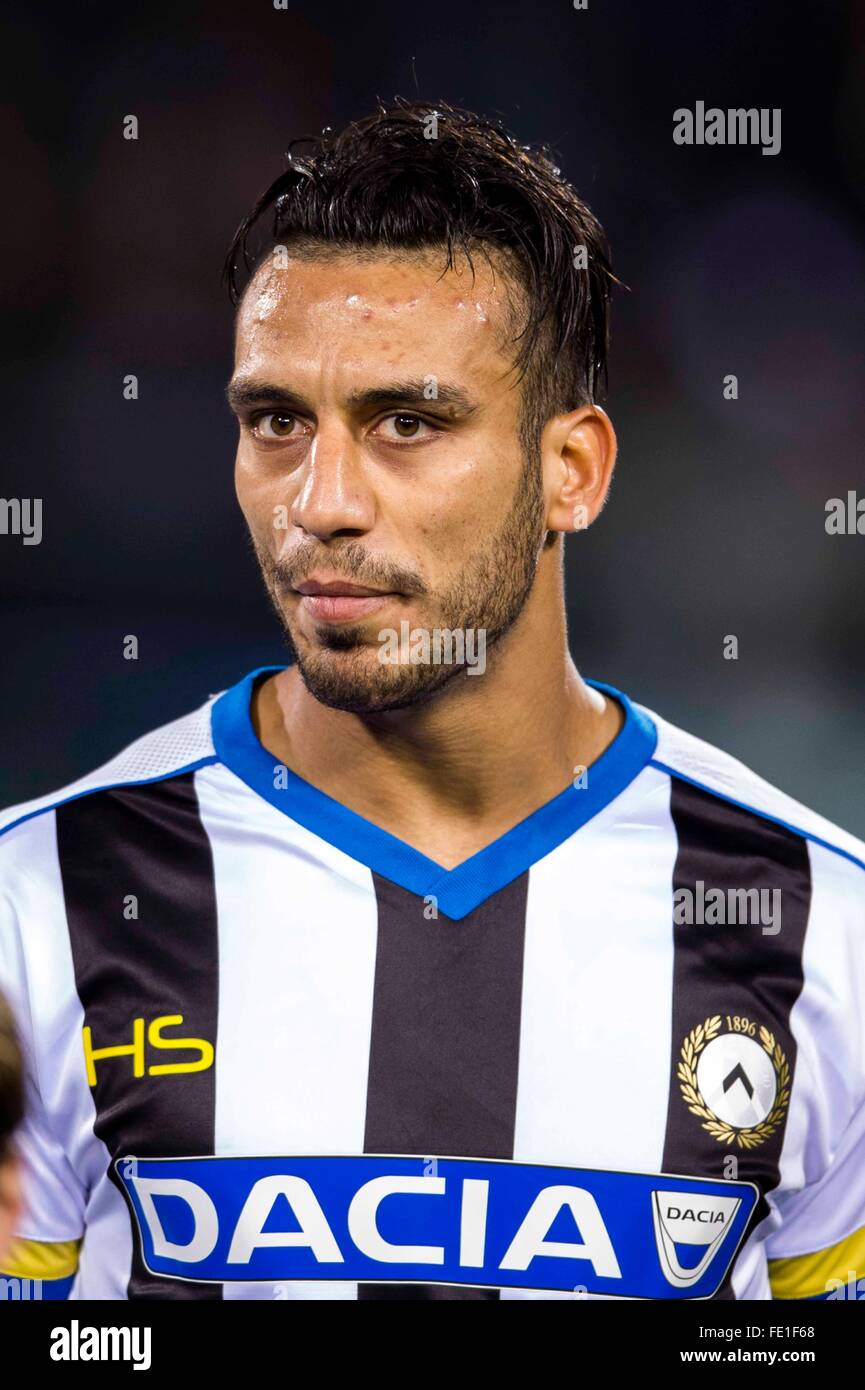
[736, 1081]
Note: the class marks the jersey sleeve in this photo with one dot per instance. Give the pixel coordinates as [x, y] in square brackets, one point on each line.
[39, 1270]
[818, 1249]
[54, 1199]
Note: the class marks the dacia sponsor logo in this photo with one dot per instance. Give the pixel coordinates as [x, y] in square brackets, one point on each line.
[676, 1214]
[449, 1220]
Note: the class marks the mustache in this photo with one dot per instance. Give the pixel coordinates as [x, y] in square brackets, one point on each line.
[349, 561]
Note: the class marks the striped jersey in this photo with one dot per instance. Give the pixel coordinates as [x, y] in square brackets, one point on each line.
[275, 1052]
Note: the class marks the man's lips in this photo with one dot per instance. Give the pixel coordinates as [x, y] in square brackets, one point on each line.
[338, 601]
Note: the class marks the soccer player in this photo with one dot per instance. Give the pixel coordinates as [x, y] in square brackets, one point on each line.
[11, 1113]
[425, 967]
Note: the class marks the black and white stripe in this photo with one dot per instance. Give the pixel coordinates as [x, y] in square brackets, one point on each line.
[445, 1044]
[147, 842]
[733, 969]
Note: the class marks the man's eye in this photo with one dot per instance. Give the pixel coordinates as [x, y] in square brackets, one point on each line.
[276, 424]
[405, 426]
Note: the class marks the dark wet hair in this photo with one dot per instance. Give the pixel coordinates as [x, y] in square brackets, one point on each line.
[417, 176]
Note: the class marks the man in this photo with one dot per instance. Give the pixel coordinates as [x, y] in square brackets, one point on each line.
[11, 1113]
[425, 967]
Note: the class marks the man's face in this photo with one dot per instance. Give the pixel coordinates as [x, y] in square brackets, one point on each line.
[379, 466]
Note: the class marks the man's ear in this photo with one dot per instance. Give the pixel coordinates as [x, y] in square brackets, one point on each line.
[578, 455]
[10, 1200]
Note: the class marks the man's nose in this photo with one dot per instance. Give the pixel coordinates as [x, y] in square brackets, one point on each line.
[334, 495]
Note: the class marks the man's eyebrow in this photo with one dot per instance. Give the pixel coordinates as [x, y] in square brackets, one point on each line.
[245, 393]
[423, 391]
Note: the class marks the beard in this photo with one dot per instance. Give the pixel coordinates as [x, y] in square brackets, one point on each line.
[343, 669]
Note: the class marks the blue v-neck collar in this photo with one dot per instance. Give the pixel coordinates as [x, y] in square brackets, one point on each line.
[457, 891]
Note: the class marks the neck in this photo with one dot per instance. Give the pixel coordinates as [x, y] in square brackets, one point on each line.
[452, 774]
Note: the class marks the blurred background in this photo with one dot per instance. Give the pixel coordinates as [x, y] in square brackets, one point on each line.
[736, 263]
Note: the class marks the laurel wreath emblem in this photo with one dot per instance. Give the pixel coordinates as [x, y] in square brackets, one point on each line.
[719, 1129]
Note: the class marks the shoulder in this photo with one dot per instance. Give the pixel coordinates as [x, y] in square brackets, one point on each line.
[694, 763]
[180, 746]
[737, 831]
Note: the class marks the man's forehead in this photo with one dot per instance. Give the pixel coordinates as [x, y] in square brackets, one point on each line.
[369, 287]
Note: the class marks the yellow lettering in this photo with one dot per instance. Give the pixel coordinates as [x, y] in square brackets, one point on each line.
[200, 1045]
[135, 1049]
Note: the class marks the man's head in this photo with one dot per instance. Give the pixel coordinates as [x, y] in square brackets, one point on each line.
[11, 1114]
[419, 353]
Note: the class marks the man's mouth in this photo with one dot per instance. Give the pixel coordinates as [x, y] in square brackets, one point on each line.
[338, 601]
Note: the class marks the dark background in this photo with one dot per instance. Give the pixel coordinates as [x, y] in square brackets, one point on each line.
[736, 262]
